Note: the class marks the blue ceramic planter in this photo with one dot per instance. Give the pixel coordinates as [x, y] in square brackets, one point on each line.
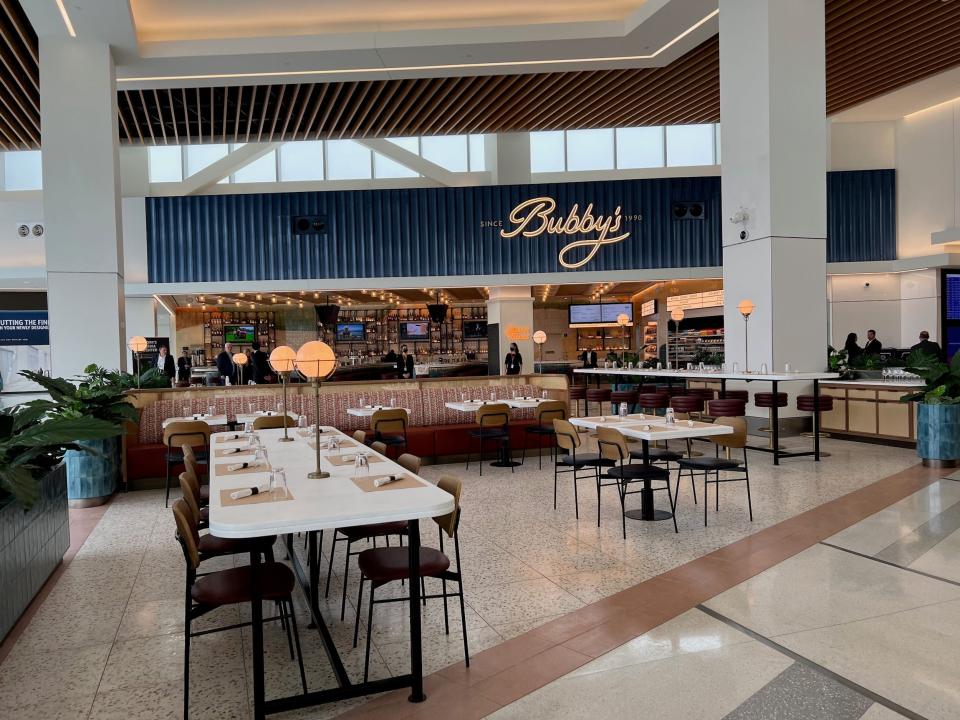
[92, 476]
[938, 432]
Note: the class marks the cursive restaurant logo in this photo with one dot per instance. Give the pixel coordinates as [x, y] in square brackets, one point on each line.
[535, 217]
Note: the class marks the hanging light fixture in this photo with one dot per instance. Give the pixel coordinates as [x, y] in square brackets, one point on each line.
[437, 310]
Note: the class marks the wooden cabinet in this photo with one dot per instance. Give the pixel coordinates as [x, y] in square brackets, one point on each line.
[869, 411]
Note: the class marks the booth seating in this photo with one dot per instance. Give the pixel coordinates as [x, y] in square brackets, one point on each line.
[433, 429]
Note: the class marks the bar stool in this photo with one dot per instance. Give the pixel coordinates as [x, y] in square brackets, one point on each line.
[728, 407]
[738, 395]
[770, 400]
[577, 393]
[705, 393]
[653, 401]
[808, 403]
[597, 395]
[647, 389]
[624, 396]
[688, 405]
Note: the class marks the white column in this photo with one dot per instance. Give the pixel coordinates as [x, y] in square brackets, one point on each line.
[511, 309]
[81, 197]
[508, 158]
[141, 316]
[773, 144]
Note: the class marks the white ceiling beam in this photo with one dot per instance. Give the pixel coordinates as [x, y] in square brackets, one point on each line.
[418, 164]
[214, 173]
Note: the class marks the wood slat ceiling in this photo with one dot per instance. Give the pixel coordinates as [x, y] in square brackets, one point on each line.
[872, 47]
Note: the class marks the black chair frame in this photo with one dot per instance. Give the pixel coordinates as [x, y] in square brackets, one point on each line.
[623, 482]
[173, 459]
[499, 433]
[743, 470]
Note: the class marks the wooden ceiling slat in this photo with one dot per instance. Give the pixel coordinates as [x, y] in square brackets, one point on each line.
[173, 117]
[356, 104]
[250, 107]
[276, 112]
[372, 104]
[403, 88]
[239, 105]
[267, 95]
[159, 109]
[147, 120]
[317, 103]
[510, 101]
[342, 106]
[483, 102]
[322, 124]
[397, 126]
[308, 95]
[186, 113]
[133, 115]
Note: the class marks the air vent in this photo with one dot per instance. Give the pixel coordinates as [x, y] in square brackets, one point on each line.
[309, 225]
[688, 210]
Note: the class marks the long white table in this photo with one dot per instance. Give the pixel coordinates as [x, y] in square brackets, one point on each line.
[773, 378]
[317, 505]
[649, 429]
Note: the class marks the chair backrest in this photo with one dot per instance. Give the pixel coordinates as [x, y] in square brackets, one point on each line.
[188, 432]
[191, 492]
[389, 420]
[410, 462]
[549, 410]
[612, 444]
[739, 437]
[567, 436]
[449, 522]
[187, 532]
[268, 422]
[493, 415]
[190, 461]
[360, 436]
[379, 446]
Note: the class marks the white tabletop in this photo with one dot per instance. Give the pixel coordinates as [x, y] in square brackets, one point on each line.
[471, 406]
[317, 504]
[214, 420]
[706, 375]
[369, 410]
[658, 428]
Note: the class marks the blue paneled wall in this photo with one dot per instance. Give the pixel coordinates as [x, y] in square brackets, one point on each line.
[456, 231]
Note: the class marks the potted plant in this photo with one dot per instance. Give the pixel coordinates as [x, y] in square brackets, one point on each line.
[938, 411]
[93, 467]
[838, 362]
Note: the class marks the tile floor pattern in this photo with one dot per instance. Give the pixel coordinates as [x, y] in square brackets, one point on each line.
[107, 641]
[829, 634]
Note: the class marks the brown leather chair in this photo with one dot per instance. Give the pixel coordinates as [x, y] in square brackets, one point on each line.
[613, 446]
[410, 463]
[573, 462]
[389, 426]
[380, 566]
[195, 433]
[546, 413]
[493, 425]
[229, 587]
[577, 393]
[379, 446]
[726, 465]
[360, 436]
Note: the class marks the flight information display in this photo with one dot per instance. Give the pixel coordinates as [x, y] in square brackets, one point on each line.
[952, 296]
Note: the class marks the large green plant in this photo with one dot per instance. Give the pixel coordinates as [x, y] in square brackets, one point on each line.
[942, 380]
[98, 393]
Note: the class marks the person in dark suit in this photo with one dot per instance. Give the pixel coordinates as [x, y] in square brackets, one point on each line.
[165, 362]
[183, 366]
[405, 363]
[928, 346]
[261, 366]
[589, 358]
[853, 350]
[873, 346]
[225, 363]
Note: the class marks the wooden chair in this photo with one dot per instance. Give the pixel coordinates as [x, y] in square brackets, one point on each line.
[546, 413]
[270, 422]
[410, 463]
[360, 436]
[493, 425]
[613, 446]
[380, 566]
[189, 432]
[389, 426]
[379, 446]
[569, 439]
[716, 465]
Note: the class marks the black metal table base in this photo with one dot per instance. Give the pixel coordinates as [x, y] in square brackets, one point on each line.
[641, 515]
[505, 459]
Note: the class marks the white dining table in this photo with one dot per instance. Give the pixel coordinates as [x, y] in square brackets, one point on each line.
[317, 505]
[774, 378]
[471, 406]
[219, 420]
[649, 429]
[369, 410]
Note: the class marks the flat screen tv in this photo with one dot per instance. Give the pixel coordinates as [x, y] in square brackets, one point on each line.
[415, 330]
[474, 329]
[240, 334]
[597, 313]
[350, 332]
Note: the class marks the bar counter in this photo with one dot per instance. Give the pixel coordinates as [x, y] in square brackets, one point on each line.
[871, 409]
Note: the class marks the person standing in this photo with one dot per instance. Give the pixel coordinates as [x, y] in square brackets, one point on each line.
[183, 366]
[225, 363]
[873, 346]
[928, 346]
[165, 362]
[261, 366]
[513, 361]
[853, 350]
[405, 363]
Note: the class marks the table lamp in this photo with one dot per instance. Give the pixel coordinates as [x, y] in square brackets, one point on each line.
[746, 308]
[137, 344]
[676, 316]
[239, 360]
[316, 361]
[540, 337]
[281, 360]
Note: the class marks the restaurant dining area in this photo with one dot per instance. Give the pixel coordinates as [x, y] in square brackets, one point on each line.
[361, 360]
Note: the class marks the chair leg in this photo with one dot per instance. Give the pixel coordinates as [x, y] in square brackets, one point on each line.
[186, 657]
[296, 639]
[693, 486]
[333, 549]
[716, 491]
[672, 505]
[346, 571]
[555, 486]
[706, 496]
[366, 656]
[356, 621]
[598, 497]
[622, 487]
[423, 590]
[446, 616]
[463, 620]
[166, 500]
[539, 452]
[749, 502]
[576, 494]
[281, 605]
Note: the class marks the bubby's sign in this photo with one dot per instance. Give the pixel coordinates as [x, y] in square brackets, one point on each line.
[537, 216]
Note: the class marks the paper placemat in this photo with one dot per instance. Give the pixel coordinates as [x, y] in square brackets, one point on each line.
[235, 437]
[406, 483]
[230, 452]
[343, 443]
[267, 497]
[348, 459]
[222, 469]
[307, 433]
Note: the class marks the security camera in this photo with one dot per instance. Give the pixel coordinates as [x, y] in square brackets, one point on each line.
[23, 230]
[744, 234]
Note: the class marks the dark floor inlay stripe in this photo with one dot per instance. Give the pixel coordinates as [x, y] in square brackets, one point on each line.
[816, 667]
[802, 693]
[891, 564]
[910, 548]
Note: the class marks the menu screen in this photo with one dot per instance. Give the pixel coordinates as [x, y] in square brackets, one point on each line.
[594, 314]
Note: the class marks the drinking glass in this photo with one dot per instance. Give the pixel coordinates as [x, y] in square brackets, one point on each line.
[786, 367]
[279, 408]
[210, 410]
[302, 421]
[363, 401]
[763, 368]
[736, 367]
[544, 395]
[247, 428]
[250, 408]
[393, 402]
[361, 466]
[463, 397]
[493, 396]
[261, 456]
[278, 483]
[186, 411]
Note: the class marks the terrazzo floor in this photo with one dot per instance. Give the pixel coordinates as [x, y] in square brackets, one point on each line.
[107, 641]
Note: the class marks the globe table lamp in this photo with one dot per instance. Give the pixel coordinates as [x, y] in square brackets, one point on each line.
[746, 308]
[316, 361]
[281, 360]
[676, 316]
[540, 337]
[137, 344]
[239, 360]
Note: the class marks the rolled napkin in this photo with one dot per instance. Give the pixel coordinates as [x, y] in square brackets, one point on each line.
[384, 480]
[348, 458]
[689, 423]
[247, 492]
[244, 465]
[235, 436]
[232, 451]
